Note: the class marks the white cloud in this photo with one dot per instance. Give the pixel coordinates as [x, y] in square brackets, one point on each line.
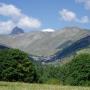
[6, 27]
[85, 2]
[70, 16]
[85, 19]
[27, 22]
[67, 15]
[17, 18]
[48, 30]
[9, 10]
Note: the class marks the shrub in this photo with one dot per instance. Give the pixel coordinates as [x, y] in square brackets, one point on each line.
[77, 72]
[16, 66]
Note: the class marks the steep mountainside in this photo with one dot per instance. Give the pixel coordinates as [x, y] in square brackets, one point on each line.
[45, 43]
[73, 48]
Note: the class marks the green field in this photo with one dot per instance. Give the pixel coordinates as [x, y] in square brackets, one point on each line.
[25, 86]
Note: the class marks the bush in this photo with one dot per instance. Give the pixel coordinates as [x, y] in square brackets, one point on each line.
[77, 72]
[16, 66]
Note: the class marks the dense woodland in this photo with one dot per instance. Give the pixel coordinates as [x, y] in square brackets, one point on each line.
[16, 65]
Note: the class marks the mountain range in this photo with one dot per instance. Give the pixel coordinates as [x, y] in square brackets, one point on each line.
[48, 46]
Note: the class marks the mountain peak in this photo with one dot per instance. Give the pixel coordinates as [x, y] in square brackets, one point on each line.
[17, 30]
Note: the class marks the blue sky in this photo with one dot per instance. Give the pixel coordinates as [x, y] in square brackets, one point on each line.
[51, 14]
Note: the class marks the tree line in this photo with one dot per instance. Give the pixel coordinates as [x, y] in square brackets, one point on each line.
[16, 65]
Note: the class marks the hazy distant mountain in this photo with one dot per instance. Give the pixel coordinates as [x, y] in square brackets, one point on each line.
[17, 30]
[46, 43]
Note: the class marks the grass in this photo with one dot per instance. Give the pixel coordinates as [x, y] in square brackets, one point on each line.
[86, 50]
[26, 86]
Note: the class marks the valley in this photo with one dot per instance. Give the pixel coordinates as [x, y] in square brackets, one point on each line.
[49, 46]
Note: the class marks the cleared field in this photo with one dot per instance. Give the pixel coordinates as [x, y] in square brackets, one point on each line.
[25, 86]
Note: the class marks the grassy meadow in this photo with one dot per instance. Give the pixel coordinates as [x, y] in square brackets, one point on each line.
[26, 86]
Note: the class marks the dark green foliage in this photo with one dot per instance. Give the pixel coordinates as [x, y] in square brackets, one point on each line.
[77, 72]
[16, 66]
[48, 74]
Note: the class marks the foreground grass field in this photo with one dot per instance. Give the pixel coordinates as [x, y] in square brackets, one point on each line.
[25, 86]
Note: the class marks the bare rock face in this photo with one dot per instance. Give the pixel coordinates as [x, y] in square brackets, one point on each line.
[17, 30]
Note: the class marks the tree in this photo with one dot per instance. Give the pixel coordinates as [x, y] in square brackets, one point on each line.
[15, 65]
[77, 72]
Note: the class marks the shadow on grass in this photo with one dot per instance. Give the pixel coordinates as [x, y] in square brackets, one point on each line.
[3, 85]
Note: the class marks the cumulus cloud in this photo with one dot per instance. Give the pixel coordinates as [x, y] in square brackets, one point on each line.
[17, 18]
[27, 22]
[70, 16]
[85, 19]
[9, 10]
[48, 30]
[67, 15]
[6, 27]
[86, 3]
